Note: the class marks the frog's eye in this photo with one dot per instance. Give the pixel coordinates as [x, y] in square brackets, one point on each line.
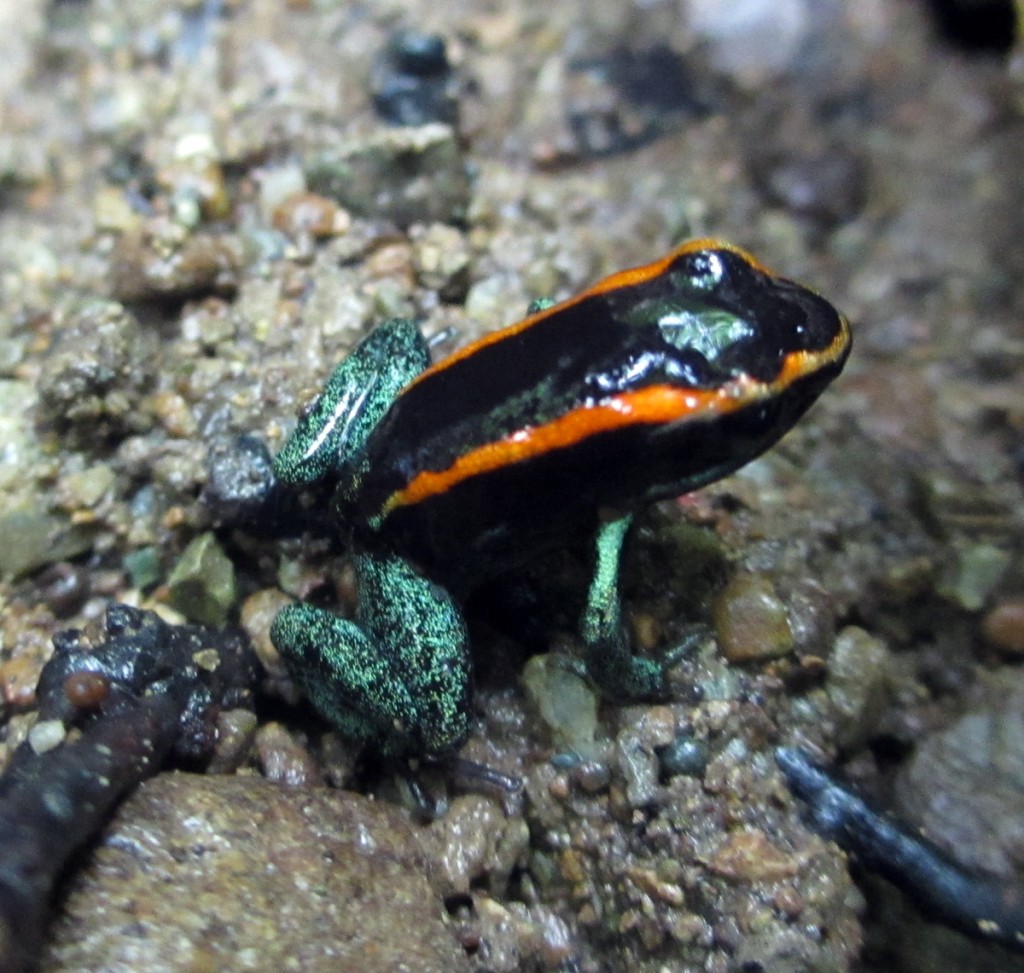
[705, 271]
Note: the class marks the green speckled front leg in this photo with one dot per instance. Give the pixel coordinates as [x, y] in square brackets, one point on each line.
[399, 675]
[354, 399]
[610, 660]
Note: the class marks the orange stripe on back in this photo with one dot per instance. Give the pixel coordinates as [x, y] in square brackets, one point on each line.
[654, 405]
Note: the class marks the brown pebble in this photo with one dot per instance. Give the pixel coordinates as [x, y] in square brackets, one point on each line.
[748, 856]
[86, 690]
[592, 776]
[64, 588]
[651, 883]
[571, 866]
[236, 730]
[284, 759]
[308, 214]
[163, 261]
[587, 915]
[558, 787]
[1003, 626]
[557, 945]
[789, 902]
[18, 678]
[750, 620]
[392, 260]
[257, 614]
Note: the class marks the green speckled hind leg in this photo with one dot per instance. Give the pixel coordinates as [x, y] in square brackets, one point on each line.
[610, 660]
[399, 675]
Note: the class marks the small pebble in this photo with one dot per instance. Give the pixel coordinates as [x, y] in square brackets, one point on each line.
[85, 489]
[46, 735]
[256, 616]
[748, 856]
[750, 620]
[857, 684]
[1003, 626]
[405, 175]
[442, 260]
[18, 678]
[236, 731]
[557, 945]
[685, 756]
[558, 787]
[202, 585]
[649, 880]
[592, 776]
[165, 262]
[563, 699]
[789, 902]
[310, 215]
[64, 587]
[277, 185]
[412, 82]
[283, 759]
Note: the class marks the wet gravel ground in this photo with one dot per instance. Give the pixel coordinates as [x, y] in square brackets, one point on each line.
[204, 205]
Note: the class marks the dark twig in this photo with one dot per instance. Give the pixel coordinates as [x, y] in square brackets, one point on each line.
[979, 906]
[146, 691]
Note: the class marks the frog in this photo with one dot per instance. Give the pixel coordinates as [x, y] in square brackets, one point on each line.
[649, 384]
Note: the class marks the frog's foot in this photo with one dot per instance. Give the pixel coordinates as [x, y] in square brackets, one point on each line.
[334, 429]
[694, 635]
[625, 678]
[426, 805]
[465, 775]
[611, 664]
[471, 775]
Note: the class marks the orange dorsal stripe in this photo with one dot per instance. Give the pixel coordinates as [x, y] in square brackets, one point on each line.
[655, 405]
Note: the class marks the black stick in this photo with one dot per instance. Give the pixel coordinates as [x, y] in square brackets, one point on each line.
[980, 906]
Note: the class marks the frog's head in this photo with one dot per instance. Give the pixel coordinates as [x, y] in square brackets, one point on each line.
[729, 357]
[726, 322]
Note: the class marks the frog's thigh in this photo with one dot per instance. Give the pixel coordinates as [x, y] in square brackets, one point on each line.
[610, 660]
[341, 671]
[399, 676]
[420, 628]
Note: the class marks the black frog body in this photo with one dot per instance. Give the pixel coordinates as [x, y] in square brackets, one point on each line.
[651, 383]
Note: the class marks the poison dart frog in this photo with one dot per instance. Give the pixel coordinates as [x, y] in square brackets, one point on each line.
[649, 384]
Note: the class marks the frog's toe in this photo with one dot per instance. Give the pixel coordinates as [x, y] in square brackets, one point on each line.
[692, 638]
[638, 679]
[648, 679]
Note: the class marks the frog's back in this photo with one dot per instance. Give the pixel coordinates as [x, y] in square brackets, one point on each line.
[652, 383]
